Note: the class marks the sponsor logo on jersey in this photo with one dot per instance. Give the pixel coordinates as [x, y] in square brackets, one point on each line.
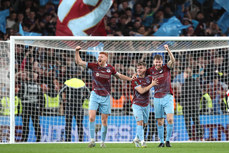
[161, 71]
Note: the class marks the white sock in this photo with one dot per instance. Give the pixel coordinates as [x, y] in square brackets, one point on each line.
[92, 139]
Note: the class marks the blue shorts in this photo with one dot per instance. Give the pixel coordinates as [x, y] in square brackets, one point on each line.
[163, 106]
[141, 113]
[101, 102]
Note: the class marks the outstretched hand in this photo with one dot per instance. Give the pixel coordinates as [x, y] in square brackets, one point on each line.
[78, 48]
[166, 47]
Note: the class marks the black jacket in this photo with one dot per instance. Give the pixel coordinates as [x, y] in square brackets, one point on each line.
[191, 93]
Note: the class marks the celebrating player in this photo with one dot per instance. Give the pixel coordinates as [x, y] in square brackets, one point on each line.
[100, 96]
[140, 104]
[163, 99]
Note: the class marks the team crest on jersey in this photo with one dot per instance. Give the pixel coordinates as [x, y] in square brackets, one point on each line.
[108, 70]
[136, 82]
[97, 74]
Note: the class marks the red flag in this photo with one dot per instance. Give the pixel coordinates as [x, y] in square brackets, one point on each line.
[82, 17]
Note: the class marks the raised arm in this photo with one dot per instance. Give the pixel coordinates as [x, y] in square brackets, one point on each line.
[142, 90]
[122, 77]
[157, 7]
[171, 62]
[78, 60]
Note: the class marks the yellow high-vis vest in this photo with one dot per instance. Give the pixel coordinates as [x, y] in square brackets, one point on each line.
[209, 100]
[51, 102]
[5, 102]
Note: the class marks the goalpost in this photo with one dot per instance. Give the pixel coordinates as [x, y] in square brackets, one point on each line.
[42, 106]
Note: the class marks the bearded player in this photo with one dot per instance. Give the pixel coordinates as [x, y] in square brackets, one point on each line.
[100, 95]
[163, 97]
[140, 103]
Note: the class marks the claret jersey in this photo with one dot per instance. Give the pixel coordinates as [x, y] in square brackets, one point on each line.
[101, 78]
[164, 80]
[141, 99]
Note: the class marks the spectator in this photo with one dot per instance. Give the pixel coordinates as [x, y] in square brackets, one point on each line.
[32, 103]
[190, 101]
[11, 20]
[19, 20]
[31, 21]
[206, 101]
[217, 90]
[225, 103]
[73, 93]
[122, 25]
[5, 5]
[138, 10]
[148, 13]
[180, 78]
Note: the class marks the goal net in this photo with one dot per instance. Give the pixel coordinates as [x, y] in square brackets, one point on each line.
[48, 102]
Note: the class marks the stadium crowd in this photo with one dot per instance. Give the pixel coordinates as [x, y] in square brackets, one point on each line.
[125, 17]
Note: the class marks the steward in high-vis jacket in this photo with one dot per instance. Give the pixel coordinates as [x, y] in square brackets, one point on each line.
[32, 100]
[73, 94]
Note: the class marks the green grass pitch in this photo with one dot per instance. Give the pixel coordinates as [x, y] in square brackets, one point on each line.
[115, 148]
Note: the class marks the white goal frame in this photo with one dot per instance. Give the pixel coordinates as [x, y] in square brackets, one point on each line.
[81, 38]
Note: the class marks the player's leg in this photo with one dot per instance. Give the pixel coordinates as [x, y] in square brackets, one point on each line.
[104, 118]
[138, 114]
[151, 125]
[169, 129]
[105, 110]
[169, 110]
[93, 106]
[160, 129]
[145, 111]
[159, 115]
[92, 114]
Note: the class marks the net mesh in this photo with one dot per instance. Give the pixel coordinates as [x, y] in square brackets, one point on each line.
[51, 110]
[127, 45]
[4, 91]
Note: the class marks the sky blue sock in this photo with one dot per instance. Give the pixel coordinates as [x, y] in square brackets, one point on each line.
[140, 132]
[169, 131]
[161, 133]
[103, 132]
[92, 129]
